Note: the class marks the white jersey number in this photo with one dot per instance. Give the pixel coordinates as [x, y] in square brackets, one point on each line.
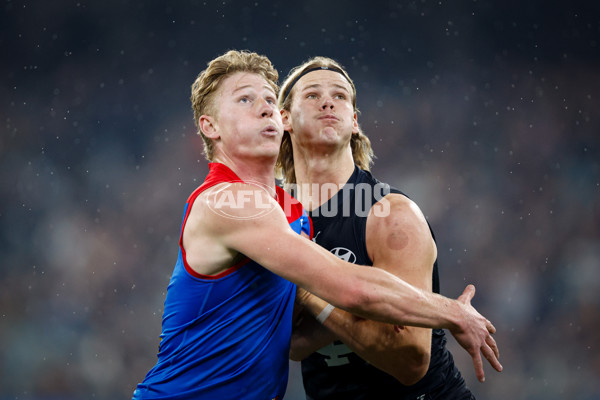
[336, 354]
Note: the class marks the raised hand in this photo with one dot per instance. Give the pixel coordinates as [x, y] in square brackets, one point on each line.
[475, 335]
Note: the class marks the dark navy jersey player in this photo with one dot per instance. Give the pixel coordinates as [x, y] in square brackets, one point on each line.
[324, 160]
[335, 371]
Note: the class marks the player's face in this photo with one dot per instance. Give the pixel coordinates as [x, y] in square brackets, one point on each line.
[248, 120]
[321, 111]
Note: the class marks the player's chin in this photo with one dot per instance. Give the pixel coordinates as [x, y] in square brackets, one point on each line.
[268, 151]
[271, 146]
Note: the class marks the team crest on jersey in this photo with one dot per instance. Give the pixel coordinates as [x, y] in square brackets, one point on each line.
[345, 254]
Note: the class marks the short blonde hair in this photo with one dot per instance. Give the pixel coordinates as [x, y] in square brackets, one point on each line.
[360, 143]
[209, 81]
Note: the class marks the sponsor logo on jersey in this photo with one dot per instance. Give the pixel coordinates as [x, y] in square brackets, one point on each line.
[345, 254]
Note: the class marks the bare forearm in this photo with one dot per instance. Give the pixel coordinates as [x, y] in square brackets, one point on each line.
[352, 330]
[402, 353]
[386, 298]
[471, 329]
[368, 292]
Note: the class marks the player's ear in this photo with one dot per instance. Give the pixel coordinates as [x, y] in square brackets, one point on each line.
[286, 118]
[208, 125]
[355, 129]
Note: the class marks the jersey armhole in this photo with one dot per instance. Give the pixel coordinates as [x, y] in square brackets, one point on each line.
[188, 206]
[221, 274]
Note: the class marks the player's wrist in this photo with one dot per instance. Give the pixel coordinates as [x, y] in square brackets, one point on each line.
[315, 305]
[325, 313]
[456, 318]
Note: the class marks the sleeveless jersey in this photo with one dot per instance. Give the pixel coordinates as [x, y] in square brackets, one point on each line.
[225, 336]
[335, 372]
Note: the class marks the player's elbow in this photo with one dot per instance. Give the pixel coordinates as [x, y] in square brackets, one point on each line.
[299, 348]
[296, 355]
[414, 367]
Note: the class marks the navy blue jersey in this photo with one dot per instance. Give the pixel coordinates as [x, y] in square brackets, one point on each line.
[335, 372]
[225, 336]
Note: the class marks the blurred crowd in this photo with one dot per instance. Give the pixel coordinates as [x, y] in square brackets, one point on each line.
[498, 142]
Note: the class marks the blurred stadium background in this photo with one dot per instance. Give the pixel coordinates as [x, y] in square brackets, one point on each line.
[485, 113]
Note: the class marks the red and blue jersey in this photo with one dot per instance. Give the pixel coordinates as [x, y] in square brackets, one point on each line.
[225, 336]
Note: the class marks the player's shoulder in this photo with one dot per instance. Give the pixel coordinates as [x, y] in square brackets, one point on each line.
[236, 201]
[395, 211]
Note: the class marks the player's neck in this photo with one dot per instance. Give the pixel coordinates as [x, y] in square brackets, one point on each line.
[315, 169]
[251, 170]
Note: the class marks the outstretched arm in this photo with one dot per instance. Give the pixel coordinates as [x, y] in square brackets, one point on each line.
[400, 242]
[368, 292]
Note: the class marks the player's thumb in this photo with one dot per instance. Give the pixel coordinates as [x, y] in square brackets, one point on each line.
[467, 294]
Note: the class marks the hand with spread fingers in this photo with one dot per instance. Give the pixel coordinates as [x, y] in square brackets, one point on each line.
[476, 335]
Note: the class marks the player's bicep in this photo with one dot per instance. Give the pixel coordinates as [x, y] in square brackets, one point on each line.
[260, 231]
[271, 242]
